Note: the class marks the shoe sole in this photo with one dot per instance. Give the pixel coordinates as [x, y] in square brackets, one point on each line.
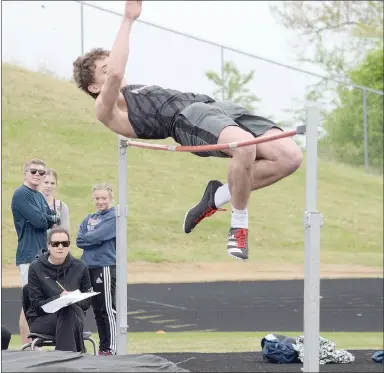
[236, 257]
[185, 218]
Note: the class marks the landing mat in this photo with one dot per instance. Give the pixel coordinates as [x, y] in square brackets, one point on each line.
[63, 361]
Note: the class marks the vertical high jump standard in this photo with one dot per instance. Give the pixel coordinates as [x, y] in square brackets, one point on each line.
[312, 224]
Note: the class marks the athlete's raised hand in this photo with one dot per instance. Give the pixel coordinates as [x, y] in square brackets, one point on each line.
[133, 9]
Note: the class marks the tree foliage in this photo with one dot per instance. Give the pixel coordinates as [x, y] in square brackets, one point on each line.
[345, 40]
[333, 34]
[232, 87]
[345, 123]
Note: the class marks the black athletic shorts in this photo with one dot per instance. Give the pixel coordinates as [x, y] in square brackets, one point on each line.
[201, 124]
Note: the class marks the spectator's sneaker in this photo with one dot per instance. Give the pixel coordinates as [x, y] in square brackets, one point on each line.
[105, 353]
[206, 207]
[238, 243]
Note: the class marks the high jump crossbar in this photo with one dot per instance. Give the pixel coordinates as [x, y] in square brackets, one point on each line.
[312, 225]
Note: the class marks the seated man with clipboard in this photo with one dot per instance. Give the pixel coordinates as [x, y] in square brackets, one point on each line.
[52, 275]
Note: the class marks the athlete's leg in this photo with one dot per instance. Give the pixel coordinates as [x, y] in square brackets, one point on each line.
[250, 168]
[240, 185]
[240, 166]
[275, 160]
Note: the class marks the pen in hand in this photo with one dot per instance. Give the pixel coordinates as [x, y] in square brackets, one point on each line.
[64, 291]
[57, 282]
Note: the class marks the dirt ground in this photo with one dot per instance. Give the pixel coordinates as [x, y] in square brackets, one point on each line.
[207, 272]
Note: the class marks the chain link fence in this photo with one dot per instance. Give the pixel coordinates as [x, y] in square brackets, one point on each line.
[180, 61]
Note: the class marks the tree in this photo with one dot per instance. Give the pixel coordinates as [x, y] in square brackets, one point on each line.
[333, 35]
[337, 36]
[232, 87]
[344, 124]
[351, 28]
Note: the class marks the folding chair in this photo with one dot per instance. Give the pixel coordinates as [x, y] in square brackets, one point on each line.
[42, 340]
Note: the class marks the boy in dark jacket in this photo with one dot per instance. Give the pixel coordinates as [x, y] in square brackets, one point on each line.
[97, 237]
[32, 217]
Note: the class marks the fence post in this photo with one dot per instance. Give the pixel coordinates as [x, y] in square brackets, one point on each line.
[365, 124]
[222, 73]
[82, 28]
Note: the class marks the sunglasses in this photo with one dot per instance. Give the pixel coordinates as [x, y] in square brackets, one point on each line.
[33, 171]
[57, 243]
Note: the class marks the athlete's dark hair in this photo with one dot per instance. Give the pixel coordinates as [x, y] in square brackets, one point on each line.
[84, 69]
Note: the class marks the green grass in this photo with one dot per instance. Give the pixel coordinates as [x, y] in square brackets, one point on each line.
[201, 341]
[51, 119]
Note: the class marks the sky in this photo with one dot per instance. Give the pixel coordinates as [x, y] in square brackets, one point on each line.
[47, 35]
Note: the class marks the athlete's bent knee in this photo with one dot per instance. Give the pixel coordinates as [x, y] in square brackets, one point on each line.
[292, 161]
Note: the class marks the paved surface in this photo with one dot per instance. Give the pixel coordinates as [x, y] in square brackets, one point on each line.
[253, 362]
[354, 305]
[13, 361]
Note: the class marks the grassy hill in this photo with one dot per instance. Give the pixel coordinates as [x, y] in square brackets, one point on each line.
[52, 120]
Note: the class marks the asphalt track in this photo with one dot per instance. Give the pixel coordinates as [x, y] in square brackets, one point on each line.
[347, 305]
[253, 362]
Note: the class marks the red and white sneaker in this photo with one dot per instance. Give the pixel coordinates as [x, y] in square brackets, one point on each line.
[238, 243]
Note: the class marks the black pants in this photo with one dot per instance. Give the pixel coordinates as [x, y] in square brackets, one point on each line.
[104, 306]
[5, 337]
[66, 325]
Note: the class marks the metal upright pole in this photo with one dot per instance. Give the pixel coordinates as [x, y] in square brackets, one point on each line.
[365, 124]
[121, 250]
[312, 224]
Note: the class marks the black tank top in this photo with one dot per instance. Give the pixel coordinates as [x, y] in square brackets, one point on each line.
[152, 110]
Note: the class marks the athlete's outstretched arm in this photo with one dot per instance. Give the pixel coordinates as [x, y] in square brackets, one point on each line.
[117, 61]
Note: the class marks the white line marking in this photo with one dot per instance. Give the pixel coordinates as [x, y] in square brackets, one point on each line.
[184, 361]
[158, 303]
